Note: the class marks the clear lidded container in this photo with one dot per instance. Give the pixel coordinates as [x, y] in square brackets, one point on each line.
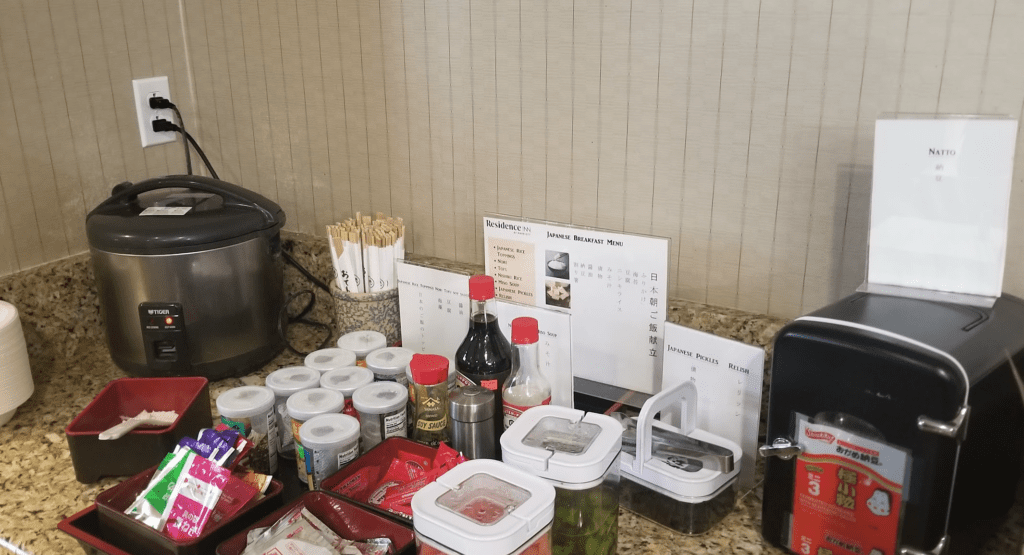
[577, 453]
[303, 406]
[362, 343]
[330, 359]
[285, 382]
[484, 506]
[389, 364]
[382, 412]
[347, 380]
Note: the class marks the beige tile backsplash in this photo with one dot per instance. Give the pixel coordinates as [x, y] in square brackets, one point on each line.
[740, 129]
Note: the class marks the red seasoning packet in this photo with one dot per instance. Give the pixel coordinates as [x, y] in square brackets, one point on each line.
[398, 497]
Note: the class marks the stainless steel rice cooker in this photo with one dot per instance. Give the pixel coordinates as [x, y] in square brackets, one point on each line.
[189, 275]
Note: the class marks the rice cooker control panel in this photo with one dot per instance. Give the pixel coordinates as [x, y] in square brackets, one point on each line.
[163, 335]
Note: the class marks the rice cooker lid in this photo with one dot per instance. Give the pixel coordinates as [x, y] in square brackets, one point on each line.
[180, 214]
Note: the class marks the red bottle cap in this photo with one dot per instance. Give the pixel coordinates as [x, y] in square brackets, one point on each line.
[481, 288]
[524, 330]
[429, 369]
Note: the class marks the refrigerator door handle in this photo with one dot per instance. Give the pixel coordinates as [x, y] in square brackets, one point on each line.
[781, 447]
[955, 429]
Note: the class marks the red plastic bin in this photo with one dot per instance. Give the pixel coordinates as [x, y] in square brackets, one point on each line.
[139, 538]
[84, 526]
[345, 518]
[142, 447]
[380, 456]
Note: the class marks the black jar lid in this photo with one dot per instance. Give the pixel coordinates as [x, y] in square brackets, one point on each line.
[180, 214]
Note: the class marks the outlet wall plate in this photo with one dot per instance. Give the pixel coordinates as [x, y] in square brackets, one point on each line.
[144, 90]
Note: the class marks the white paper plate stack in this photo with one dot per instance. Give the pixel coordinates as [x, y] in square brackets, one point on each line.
[15, 375]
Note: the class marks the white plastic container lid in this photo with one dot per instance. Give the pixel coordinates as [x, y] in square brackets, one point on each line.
[310, 402]
[286, 381]
[246, 401]
[389, 361]
[380, 397]
[483, 506]
[346, 380]
[329, 359]
[325, 430]
[564, 445]
[363, 342]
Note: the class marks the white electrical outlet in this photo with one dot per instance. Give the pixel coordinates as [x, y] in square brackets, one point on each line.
[144, 90]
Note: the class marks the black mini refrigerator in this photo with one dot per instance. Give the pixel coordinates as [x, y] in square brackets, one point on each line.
[895, 426]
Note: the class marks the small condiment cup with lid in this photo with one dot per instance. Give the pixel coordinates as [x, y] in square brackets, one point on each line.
[390, 364]
[331, 442]
[249, 409]
[578, 453]
[362, 343]
[347, 380]
[484, 506]
[285, 382]
[329, 359]
[305, 405]
[382, 412]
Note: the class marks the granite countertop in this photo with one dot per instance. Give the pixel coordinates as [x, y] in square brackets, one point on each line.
[70, 365]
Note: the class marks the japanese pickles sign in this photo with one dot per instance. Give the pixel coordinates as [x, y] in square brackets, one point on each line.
[613, 285]
[848, 493]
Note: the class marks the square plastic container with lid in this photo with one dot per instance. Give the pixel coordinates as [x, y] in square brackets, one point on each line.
[682, 479]
[346, 519]
[484, 506]
[577, 453]
[140, 448]
[362, 474]
[135, 537]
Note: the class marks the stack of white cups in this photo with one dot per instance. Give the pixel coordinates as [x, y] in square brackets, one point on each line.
[15, 375]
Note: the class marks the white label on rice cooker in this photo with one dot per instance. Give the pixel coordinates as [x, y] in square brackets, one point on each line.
[393, 424]
[166, 211]
[346, 457]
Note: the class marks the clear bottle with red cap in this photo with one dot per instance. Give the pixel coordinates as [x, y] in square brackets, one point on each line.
[430, 383]
[526, 387]
[485, 357]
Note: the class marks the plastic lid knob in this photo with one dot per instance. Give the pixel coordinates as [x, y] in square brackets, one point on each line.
[524, 330]
[481, 288]
[429, 369]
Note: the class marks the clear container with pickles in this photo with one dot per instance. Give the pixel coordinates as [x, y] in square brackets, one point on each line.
[578, 454]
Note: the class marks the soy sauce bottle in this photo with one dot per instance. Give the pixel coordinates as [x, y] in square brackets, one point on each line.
[485, 356]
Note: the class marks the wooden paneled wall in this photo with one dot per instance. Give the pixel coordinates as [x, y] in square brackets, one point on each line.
[741, 129]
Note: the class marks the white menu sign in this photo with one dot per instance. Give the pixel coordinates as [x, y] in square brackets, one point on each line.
[614, 285]
[434, 308]
[728, 375]
[940, 203]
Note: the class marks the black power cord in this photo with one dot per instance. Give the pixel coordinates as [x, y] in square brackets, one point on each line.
[160, 103]
[160, 125]
[300, 318]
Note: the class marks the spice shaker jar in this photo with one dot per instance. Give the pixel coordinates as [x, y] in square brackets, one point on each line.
[331, 442]
[577, 453]
[484, 506]
[471, 422]
[285, 382]
[249, 409]
[389, 364]
[329, 359]
[347, 380]
[362, 343]
[430, 384]
[381, 407]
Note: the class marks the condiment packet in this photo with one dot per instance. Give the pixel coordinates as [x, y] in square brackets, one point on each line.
[403, 469]
[259, 481]
[237, 494]
[359, 485]
[151, 504]
[195, 495]
[298, 524]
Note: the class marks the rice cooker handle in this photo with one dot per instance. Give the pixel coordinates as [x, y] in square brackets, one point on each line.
[233, 195]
